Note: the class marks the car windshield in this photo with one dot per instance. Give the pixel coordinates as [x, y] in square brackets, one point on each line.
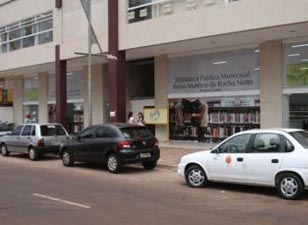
[301, 137]
[136, 133]
[51, 130]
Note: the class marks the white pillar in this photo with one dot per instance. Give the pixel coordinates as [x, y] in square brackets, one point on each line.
[161, 93]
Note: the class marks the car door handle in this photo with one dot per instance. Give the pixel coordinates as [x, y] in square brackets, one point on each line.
[240, 159]
[275, 161]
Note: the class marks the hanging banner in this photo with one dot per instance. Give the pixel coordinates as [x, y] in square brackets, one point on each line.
[297, 74]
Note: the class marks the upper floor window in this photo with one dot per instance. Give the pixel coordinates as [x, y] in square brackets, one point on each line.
[26, 33]
[139, 10]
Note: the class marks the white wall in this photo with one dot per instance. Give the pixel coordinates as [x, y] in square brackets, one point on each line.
[219, 19]
[6, 114]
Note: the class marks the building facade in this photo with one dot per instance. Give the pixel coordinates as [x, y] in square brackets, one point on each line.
[217, 66]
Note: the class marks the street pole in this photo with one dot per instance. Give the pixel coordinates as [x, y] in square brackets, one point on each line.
[89, 67]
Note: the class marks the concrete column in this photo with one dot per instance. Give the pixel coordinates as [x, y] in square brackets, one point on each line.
[43, 97]
[161, 93]
[18, 99]
[271, 84]
[116, 69]
[61, 88]
[98, 94]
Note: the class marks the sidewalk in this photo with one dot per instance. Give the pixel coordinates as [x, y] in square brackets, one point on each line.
[171, 152]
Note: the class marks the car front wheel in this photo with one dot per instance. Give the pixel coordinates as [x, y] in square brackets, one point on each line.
[290, 186]
[149, 165]
[196, 177]
[113, 163]
[33, 154]
[67, 158]
[4, 151]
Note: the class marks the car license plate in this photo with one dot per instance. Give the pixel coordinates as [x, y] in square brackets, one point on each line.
[145, 155]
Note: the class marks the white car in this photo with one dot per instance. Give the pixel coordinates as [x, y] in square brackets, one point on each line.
[275, 158]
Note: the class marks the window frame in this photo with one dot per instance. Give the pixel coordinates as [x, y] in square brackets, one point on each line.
[30, 131]
[248, 147]
[22, 126]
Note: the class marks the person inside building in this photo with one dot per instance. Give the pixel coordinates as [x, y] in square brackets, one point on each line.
[141, 120]
[130, 118]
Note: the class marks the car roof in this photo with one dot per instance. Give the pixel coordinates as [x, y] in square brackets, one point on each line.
[120, 125]
[286, 130]
[40, 124]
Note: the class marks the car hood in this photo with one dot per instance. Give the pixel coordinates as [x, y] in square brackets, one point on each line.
[194, 156]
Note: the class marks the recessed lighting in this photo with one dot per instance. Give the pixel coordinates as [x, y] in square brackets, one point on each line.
[220, 62]
[304, 60]
[303, 68]
[294, 55]
[256, 69]
[257, 50]
[69, 74]
[300, 46]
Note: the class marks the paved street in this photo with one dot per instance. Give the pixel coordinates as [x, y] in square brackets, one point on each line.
[45, 192]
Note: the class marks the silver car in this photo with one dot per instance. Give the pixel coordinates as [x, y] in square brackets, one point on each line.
[34, 139]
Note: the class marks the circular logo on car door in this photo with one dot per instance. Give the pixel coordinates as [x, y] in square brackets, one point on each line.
[228, 159]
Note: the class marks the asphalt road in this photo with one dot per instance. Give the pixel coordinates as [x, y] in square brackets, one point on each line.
[45, 192]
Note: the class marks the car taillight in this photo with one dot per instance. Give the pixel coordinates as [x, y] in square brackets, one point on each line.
[40, 142]
[156, 143]
[124, 145]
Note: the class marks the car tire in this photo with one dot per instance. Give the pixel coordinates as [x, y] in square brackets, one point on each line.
[67, 158]
[149, 165]
[113, 163]
[4, 151]
[195, 177]
[290, 186]
[33, 154]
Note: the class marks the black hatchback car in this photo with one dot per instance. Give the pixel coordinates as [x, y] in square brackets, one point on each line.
[114, 145]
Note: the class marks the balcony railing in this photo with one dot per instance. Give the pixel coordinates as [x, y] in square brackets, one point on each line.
[140, 10]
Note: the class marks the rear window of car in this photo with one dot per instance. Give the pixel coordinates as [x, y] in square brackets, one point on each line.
[301, 137]
[136, 132]
[51, 130]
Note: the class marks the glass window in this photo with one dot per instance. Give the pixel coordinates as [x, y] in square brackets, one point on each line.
[26, 131]
[88, 133]
[33, 132]
[301, 137]
[267, 143]
[136, 133]
[238, 144]
[30, 113]
[30, 89]
[105, 132]
[17, 130]
[52, 130]
[27, 32]
[139, 13]
[296, 64]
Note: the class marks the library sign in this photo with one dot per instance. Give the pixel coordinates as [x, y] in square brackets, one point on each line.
[207, 74]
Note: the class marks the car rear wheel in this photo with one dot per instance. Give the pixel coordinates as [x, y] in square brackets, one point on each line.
[67, 158]
[4, 151]
[196, 177]
[33, 154]
[290, 186]
[149, 165]
[113, 163]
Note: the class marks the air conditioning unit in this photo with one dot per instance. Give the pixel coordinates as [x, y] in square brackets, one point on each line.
[131, 15]
[209, 2]
[143, 12]
[191, 4]
[167, 8]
